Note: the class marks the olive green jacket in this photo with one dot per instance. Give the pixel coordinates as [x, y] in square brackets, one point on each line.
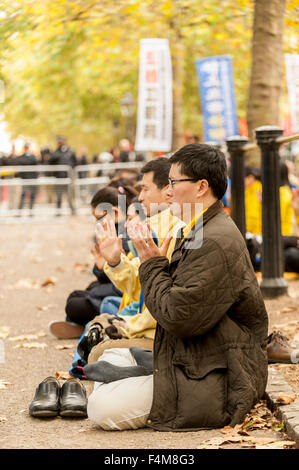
[210, 361]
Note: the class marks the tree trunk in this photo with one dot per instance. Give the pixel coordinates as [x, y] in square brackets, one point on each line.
[267, 69]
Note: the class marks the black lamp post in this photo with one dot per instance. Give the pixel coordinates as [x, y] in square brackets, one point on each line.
[235, 146]
[273, 283]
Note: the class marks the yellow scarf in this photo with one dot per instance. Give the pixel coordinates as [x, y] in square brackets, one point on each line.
[191, 224]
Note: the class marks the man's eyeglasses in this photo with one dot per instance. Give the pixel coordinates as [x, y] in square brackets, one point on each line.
[171, 182]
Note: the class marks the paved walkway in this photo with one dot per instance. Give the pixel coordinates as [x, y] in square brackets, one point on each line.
[40, 264]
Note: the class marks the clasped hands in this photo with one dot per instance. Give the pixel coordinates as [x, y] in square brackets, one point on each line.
[110, 244]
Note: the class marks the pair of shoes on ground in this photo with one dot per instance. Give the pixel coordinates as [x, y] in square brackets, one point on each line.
[280, 351]
[65, 329]
[51, 399]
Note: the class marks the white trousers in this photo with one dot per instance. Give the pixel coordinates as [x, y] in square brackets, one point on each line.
[122, 404]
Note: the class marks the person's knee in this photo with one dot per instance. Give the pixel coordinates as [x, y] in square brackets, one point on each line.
[79, 310]
[120, 405]
[102, 411]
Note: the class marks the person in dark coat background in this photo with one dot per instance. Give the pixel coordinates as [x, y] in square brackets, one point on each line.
[27, 158]
[63, 155]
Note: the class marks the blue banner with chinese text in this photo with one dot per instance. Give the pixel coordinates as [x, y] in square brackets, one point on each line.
[216, 87]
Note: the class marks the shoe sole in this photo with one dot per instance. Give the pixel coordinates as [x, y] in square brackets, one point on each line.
[65, 330]
[73, 414]
[43, 414]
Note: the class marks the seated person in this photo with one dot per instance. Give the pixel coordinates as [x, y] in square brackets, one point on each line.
[253, 200]
[83, 305]
[209, 358]
[287, 213]
[123, 270]
[125, 306]
[154, 200]
[138, 331]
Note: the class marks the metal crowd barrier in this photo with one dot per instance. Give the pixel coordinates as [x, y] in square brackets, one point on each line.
[268, 139]
[79, 189]
[85, 187]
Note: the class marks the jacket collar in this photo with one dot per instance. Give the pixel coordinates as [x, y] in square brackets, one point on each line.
[213, 210]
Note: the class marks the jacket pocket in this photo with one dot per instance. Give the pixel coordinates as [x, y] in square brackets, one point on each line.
[201, 395]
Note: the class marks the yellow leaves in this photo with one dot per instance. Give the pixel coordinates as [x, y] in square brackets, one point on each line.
[27, 284]
[3, 384]
[167, 8]
[221, 36]
[61, 347]
[50, 281]
[285, 399]
[23, 337]
[133, 8]
[4, 331]
[62, 375]
[247, 441]
[81, 267]
[258, 418]
[288, 309]
[45, 308]
[33, 345]
[67, 48]
[28, 337]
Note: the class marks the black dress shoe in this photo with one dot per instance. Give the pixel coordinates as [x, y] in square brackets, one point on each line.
[73, 401]
[46, 399]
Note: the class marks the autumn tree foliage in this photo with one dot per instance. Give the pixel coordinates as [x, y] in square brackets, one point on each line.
[66, 64]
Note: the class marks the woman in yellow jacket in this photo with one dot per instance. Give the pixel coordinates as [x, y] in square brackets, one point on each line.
[286, 209]
[253, 200]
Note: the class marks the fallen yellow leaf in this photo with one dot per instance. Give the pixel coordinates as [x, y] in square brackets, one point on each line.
[30, 346]
[60, 269]
[288, 309]
[4, 331]
[285, 399]
[3, 384]
[37, 259]
[51, 281]
[27, 283]
[64, 346]
[62, 375]
[22, 337]
[282, 445]
[45, 308]
[81, 268]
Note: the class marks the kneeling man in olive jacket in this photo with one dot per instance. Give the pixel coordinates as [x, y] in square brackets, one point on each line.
[210, 362]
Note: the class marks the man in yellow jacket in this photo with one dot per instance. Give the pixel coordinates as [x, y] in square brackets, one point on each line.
[122, 270]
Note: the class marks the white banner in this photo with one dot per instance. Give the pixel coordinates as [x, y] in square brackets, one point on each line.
[154, 119]
[292, 73]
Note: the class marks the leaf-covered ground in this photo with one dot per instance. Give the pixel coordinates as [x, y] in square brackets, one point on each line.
[40, 264]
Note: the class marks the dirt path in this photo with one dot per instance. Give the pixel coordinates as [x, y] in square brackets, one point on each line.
[57, 252]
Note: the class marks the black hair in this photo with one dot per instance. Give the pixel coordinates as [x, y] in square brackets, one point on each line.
[160, 166]
[202, 161]
[125, 182]
[109, 195]
[254, 171]
[138, 207]
[284, 174]
[132, 171]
